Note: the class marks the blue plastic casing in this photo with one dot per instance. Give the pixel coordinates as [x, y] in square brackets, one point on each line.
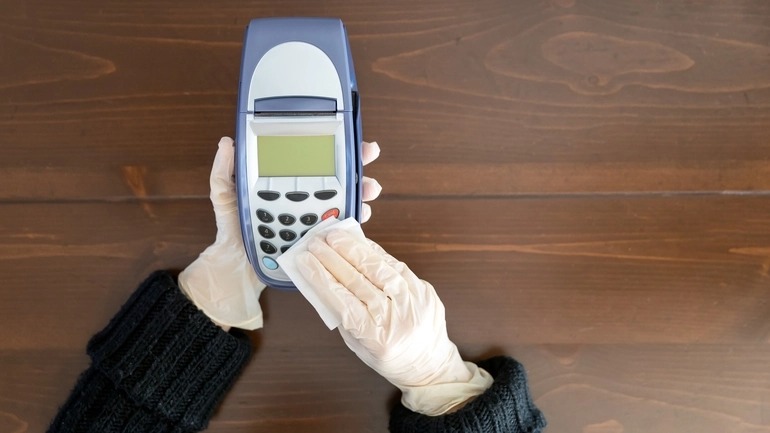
[328, 35]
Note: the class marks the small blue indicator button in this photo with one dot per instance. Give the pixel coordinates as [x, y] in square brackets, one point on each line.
[269, 263]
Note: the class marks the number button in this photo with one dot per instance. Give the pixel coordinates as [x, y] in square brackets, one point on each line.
[264, 216]
[266, 232]
[268, 195]
[267, 247]
[286, 219]
[287, 235]
[309, 219]
[285, 248]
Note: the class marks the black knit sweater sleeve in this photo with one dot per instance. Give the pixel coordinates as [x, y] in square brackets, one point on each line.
[159, 366]
[506, 407]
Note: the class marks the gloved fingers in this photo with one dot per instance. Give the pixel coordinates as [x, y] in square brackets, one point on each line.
[375, 300]
[365, 348]
[366, 212]
[421, 292]
[229, 229]
[371, 189]
[368, 262]
[369, 151]
[352, 312]
[223, 196]
[221, 180]
[396, 264]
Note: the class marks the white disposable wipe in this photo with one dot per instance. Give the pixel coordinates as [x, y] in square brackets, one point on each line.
[288, 263]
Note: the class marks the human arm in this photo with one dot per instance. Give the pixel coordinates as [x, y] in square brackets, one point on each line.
[165, 360]
[160, 365]
[505, 407]
[395, 323]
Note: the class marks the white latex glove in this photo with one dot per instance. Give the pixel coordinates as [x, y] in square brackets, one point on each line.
[392, 320]
[221, 282]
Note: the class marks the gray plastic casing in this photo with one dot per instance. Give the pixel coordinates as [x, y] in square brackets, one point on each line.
[328, 35]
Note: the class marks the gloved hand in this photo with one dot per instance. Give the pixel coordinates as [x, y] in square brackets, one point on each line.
[221, 281]
[392, 320]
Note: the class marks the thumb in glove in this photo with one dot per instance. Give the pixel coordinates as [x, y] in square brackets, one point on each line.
[221, 281]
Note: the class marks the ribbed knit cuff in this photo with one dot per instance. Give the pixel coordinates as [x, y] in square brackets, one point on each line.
[506, 407]
[95, 405]
[165, 357]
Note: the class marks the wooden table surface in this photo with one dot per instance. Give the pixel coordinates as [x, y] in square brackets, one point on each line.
[586, 183]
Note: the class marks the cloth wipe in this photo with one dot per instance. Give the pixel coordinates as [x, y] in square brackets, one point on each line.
[288, 264]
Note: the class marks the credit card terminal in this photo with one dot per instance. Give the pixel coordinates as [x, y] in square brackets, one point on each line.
[298, 136]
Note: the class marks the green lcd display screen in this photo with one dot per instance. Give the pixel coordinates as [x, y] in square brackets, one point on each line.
[295, 155]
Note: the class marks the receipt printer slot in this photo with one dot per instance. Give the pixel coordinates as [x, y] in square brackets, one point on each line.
[295, 106]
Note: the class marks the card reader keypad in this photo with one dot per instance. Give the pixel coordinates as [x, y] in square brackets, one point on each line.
[292, 227]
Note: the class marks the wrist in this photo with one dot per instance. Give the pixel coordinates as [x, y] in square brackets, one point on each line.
[443, 365]
[448, 394]
[190, 298]
[506, 406]
[161, 356]
[229, 297]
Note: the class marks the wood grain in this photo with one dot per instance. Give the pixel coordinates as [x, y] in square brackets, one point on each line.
[580, 388]
[573, 270]
[585, 183]
[549, 97]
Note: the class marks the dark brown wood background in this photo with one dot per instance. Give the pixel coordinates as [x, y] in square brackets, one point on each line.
[586, 183]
